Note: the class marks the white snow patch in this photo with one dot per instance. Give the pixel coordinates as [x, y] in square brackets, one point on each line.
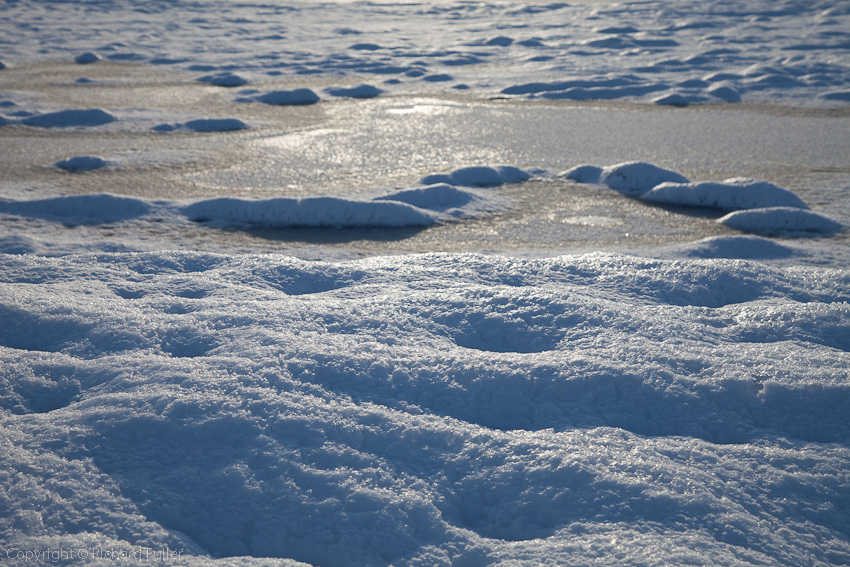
[79, 209]
[295, 97]
[360, 91]
[205, 125]
[437, 197]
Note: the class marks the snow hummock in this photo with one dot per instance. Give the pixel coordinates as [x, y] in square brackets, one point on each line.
[583, 173]
[87, 57]
[479, 176]
[79, 209]
[731, 194]
[780, 221]
[205, 125]
[360, 91]
[436, 197]
[70, 118]
[82, 163]
[637, 177]
[224, 79]
[296, 97]
[311, 211]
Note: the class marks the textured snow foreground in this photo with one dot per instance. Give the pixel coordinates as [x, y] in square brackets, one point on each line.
[424, 410]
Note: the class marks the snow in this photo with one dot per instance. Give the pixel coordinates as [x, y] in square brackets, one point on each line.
[780, 220]
[731, 194]
[601, 381]
[313, 211]
[637, 177]
[425, 409]
[70, 118]
[205, 125]
[285, 97]
[82, 163]
[479, 176]
[360, 91]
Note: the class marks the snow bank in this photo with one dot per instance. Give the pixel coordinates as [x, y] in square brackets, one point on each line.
[82, 163]
[637, 177]
[313, 211]
[80, 209]
[425, 410]
[583, 173]
[87, 58]
[479, 176]
[780, 220]
[70, 118]
[731, 194]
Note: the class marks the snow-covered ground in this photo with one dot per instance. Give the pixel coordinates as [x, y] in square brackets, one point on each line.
[425, 283]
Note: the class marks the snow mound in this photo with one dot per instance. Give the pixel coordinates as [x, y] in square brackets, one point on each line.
[742, 247]
[86, 58]
[224, 79]
[637, 177]
[780, 221]
[360, 91]
[308, 212]
[70, 118]
[205, 125]
[82, 163]
[296, 97]
[479, 176]
[94, 208]
[731, 194]
[583, 173]
[672, 99]
[437, 197]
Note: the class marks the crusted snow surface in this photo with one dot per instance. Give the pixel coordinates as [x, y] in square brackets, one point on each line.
[425, 410]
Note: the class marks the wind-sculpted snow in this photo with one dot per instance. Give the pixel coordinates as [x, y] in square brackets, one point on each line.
[437, 409]
[780, 221]
[676, 53]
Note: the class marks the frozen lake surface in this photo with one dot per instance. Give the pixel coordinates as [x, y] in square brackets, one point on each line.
[424, 284]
